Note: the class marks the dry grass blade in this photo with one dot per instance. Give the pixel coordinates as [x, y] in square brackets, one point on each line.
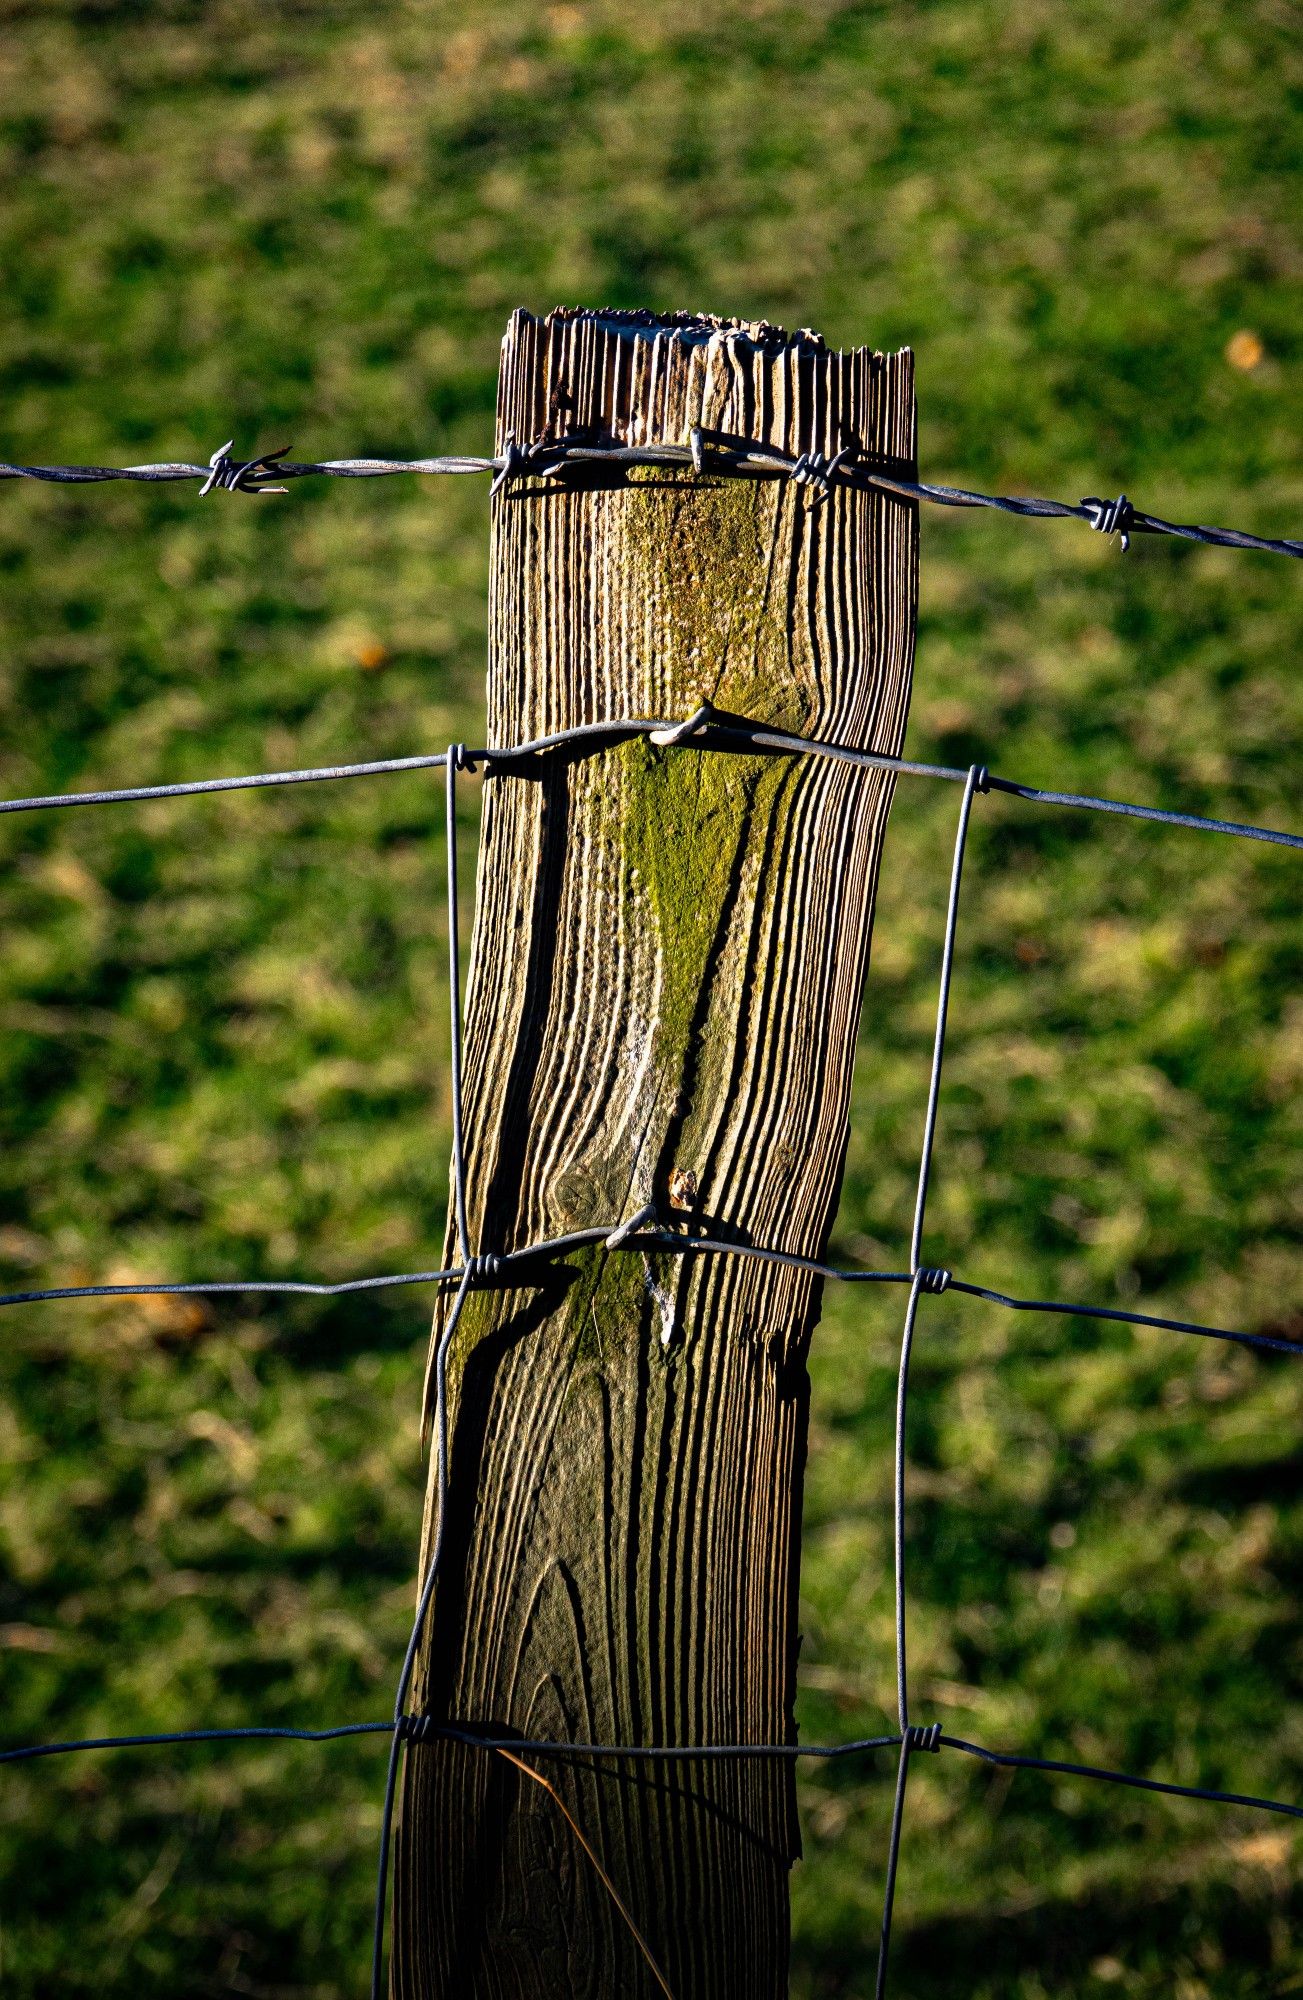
[607, 1883]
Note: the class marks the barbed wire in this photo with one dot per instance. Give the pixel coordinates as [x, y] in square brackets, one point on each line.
[703, 732]
[707, 453]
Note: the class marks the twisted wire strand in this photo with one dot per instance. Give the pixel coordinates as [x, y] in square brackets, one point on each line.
[255, 1286]
[719, 455]
[424, 1728]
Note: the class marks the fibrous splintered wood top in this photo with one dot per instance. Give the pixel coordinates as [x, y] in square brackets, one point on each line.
[667, 962]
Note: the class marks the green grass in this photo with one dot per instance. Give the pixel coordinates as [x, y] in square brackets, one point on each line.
[224, 1047]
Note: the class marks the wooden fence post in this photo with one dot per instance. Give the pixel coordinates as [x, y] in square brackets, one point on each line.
[666, 971]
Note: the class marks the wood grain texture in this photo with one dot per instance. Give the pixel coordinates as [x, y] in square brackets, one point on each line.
[666, 971]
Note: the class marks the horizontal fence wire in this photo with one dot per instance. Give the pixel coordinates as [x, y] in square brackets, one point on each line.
[422, 1729]
[707, 453]
[662, 1241]
[704, 731]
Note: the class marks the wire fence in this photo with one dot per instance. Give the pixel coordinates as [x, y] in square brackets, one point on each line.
[702, 733]
[707, 453]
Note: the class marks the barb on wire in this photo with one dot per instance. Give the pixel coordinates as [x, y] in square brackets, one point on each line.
[248, 476]
[1112, 517]
[718, 455]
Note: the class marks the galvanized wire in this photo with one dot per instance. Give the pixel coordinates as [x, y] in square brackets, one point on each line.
[27, 1752]
[706, 730]
[424, 1729]
[703, 732]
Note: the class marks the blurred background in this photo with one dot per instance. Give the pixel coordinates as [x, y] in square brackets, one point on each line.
[224, 1050]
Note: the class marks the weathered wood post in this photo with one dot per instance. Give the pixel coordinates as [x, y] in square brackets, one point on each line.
[666, 970]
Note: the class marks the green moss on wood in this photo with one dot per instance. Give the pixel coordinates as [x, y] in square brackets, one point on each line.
[715, 562]
[689, 818]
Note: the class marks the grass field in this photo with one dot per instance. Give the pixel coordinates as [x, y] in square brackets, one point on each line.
[224, 1049]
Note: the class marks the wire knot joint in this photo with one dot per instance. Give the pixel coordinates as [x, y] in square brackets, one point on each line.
[936, 1281]
[646, 1218]
[460, 757]
[679, 732]
[923, 1736]
[483, 1270]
